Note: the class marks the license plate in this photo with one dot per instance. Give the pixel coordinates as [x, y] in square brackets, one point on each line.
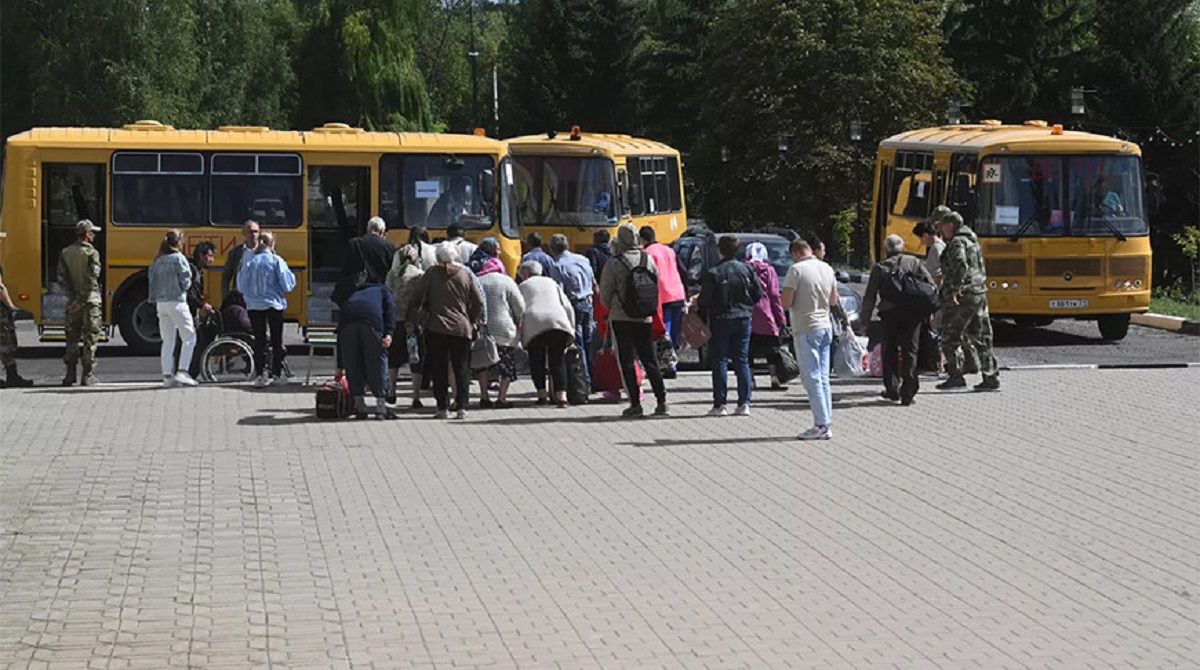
[1068, 304]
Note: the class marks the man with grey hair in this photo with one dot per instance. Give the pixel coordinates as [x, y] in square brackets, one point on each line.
[574, 273]
[368, 258]
[900, 327]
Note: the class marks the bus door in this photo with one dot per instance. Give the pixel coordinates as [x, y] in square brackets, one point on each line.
[883, 193]
[71, 191]
[339, 205]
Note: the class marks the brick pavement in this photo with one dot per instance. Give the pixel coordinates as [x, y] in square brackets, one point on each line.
[1055, 526]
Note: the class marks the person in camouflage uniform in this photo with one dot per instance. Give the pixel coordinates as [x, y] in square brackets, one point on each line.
[8, 340]
[965, 319]
[79, 276]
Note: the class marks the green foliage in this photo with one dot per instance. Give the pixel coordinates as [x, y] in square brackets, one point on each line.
[569, 62]
[1189, 242]
[841, 241]
[441, 51]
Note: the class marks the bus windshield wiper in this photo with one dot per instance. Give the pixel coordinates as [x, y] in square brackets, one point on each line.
[1022, 228]
[571, 218]
[1111, 228]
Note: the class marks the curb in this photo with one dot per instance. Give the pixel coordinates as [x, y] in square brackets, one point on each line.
[1174, 324]
[1100, 366]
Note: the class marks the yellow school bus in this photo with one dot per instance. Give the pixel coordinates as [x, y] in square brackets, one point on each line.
[314, 189]
[577, 183]
[1059, 214]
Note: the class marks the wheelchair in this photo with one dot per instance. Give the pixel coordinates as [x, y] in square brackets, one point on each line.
[230, 356]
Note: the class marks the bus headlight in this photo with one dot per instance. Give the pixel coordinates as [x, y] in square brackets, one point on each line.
[1014, 286]
[1004, 285]
[992, 285]
[1137, 283]
[1128, 283]
[1117, 285]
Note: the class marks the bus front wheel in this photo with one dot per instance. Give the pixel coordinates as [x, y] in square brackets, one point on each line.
[1113, 327]
[138, 321]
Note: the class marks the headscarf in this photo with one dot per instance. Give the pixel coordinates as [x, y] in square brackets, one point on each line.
[757, 251]
[490, 266]
[627, 238]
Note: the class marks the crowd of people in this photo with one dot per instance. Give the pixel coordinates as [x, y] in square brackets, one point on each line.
[451, 313]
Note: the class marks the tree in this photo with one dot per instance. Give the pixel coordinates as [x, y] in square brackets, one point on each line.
[442, 58]
[1022, 56]
[357, 65]
[569, 62]
[805, 68]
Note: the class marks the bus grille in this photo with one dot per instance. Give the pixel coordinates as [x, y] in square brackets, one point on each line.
[1128, 266]
[1057, 267]
[1006, 267]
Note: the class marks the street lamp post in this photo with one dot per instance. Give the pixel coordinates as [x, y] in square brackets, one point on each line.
[725, 167]
[783, 149]
[473, 56]
[856, 127]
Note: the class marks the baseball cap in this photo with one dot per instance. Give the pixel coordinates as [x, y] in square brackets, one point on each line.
[85, 226]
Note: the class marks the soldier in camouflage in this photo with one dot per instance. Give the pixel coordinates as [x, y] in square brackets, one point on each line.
[965, 319]
[79, 276]
[8, 340]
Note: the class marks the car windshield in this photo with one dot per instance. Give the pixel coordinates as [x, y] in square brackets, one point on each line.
[565, 191]
[1056, 196]
[436, 191]
[779, 253]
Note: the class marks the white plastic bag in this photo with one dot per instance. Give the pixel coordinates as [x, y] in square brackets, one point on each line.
[850, 353]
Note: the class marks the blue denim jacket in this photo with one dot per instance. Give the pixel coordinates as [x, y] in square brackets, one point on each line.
[170, 278]
[265, 281]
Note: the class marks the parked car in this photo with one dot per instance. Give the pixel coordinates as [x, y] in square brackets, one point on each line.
[697, 252]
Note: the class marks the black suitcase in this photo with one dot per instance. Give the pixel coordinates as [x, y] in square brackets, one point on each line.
[577, 383]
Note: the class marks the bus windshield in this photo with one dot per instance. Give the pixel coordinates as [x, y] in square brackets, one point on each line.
[437, 191]
[565, 191]
[1061, 196]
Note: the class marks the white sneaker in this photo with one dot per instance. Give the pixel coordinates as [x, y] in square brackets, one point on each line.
[718, 411]
[281, 380]
[816, 433]
[169, 382]
[742, 410]
[184, 379]
[260, 381]
[461, 414]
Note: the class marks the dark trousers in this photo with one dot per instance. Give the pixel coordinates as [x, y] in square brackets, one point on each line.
[730, 347]
[634, 343]
[363, 357]
[585, 329]
[901, 333]
[444, 352]
[260, 321]
[552, 345]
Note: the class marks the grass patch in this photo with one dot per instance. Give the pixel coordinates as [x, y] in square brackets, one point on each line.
[1188, 310]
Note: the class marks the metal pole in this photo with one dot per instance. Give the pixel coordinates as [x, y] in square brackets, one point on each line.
[858, 218]
[473, 55]
[496, 98]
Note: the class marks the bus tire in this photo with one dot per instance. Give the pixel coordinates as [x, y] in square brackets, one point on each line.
[138, 321]
[1113, 327]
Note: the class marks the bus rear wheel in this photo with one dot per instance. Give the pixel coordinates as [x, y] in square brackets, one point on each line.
[138, 321]
[1113, 327]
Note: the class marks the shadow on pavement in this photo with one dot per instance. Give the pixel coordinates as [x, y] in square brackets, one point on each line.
[1005, 334]
[308, 417]
[705, 443]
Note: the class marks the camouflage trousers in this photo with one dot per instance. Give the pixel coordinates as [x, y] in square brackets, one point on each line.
[83, 332]
[967, 329]
[8, 337]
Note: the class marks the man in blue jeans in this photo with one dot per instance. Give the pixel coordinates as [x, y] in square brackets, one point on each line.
[728, 294]
[809, 290]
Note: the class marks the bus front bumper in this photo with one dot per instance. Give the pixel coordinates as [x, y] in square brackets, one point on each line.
[1062, 305]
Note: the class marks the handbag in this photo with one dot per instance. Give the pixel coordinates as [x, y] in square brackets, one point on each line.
[664, 352]
[786, 367]
[695, 331]
[484, 353]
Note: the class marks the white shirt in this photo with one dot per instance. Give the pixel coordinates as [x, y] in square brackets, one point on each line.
[812, 282]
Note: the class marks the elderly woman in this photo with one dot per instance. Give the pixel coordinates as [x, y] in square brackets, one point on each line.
[768, 320]
[402, 281]
[505, 309]
[547, 330]
[453, 308]
[170, 279]
[488, 249]
[265, 280]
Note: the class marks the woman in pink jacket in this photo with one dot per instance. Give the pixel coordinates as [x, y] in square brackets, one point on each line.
[768, 319]
[672, 294]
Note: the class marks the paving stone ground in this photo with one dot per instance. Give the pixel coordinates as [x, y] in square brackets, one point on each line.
[1053, 525]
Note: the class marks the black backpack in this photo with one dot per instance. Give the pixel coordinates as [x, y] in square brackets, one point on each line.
[640, 298]
[910, 292]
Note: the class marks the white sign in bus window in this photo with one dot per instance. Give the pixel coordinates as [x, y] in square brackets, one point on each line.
[508, 174]
[428, 189]
[992, 173]
[1007, 216]
[920, 189]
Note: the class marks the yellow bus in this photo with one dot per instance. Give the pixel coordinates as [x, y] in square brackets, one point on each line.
[576, 183]
[1059, 214]
[314, 189]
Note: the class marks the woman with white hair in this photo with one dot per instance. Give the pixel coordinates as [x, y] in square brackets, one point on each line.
[768, 320]
[505, 309]
[264, 281]
[453, 309]
[547, 329]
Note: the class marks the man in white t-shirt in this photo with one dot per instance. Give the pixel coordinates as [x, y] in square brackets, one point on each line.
[809, 290]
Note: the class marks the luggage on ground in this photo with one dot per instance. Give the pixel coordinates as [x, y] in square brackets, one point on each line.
[334, 400]
[577, 382]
